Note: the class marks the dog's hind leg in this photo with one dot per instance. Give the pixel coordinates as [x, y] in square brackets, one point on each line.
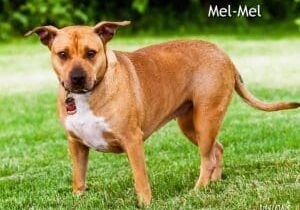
[209, 110]
[207, 122]
[186, 124]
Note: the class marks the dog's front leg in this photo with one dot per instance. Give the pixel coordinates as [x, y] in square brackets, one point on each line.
[136, 157]
[79, 155]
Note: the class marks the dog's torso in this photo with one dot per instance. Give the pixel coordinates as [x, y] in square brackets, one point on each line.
[145, 89]
[170, 74]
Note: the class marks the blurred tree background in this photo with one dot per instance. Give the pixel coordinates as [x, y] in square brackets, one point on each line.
[148, 16]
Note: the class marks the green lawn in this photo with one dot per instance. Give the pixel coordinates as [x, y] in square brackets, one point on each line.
[262, 150]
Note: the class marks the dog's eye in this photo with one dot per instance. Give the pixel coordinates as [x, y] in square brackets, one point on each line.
[63, 55]
[90, 54]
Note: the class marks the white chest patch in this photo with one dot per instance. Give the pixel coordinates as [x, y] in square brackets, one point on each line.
[86, 125]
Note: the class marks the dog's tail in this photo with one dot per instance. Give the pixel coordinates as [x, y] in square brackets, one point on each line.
[247, 96]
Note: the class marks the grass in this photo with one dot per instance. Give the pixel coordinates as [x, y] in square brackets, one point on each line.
[262, 150]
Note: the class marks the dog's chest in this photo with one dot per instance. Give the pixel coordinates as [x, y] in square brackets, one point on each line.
[86, 125]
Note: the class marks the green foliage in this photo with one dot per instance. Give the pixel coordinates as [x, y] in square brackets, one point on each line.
[140, 5]
[17, 17]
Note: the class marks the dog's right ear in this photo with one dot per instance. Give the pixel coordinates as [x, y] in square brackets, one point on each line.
[46, 34]
[107, 29]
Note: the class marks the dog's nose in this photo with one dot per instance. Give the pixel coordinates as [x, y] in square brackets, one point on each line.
[78, 78]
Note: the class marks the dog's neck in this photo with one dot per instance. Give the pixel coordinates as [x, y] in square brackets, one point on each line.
[111, 59]
[107, 85]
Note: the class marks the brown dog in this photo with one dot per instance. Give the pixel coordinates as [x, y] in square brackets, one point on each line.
[112, 101]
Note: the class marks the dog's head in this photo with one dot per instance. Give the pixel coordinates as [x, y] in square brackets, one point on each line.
[78, 52]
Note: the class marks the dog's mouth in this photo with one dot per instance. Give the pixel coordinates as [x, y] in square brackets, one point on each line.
[79, 90]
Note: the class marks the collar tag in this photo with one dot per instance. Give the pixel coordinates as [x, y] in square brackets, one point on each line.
[70, 105]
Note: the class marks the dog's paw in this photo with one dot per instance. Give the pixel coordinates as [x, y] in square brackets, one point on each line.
[216, 175]
[201, 183]
[79, 191]
[143, 204]
[144, 201]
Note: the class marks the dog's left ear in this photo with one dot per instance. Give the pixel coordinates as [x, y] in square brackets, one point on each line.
[46, 34]
[107, 29]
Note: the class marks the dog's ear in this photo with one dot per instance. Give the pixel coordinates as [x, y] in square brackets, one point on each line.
[107, 29]
[46, 34]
